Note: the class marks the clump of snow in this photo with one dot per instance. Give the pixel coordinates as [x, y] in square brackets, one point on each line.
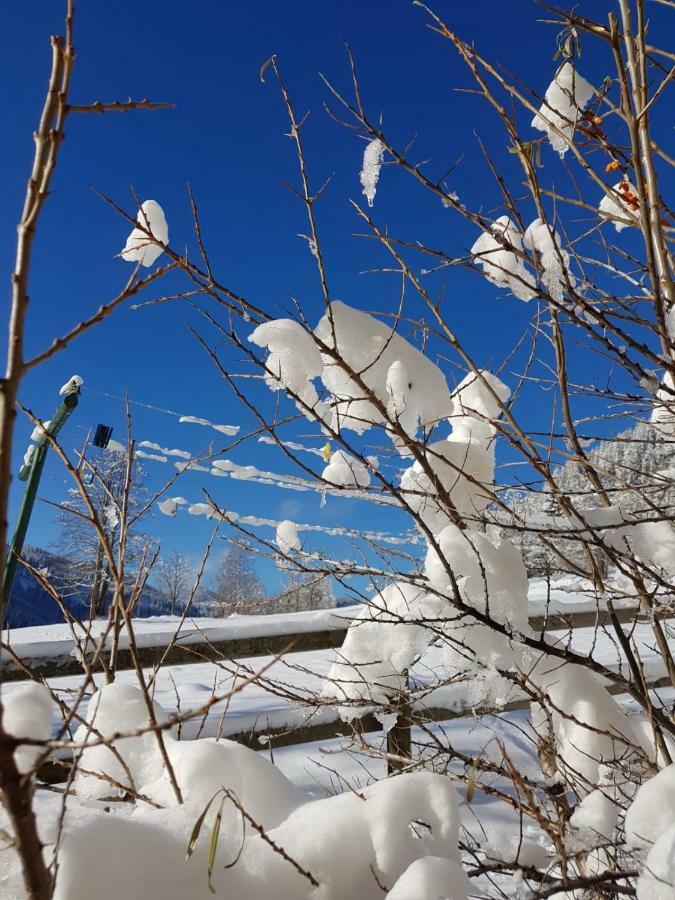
[381, 644]
[287, 539]
[490, 577]
[653, 809]
[293, 361]
[663, 412]
[170, 505]
[370, 171]
[346, 471]
[27, 713]
[657, 879]
[500, 254]
[381, 829]
[370, 348]
[72, 386]
[462, 465]
[229, 430]
[616, 208]
[140, 247]
[567, 96]
[40, 430]
[433, 878]
[582, 723]
[543, 240]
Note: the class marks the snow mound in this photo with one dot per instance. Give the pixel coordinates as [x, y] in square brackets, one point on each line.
[27, 713]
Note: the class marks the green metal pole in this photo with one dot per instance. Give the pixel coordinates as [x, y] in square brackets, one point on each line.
[31, 474]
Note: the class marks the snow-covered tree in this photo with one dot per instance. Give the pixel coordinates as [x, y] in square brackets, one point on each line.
[175, 577]
[112, 487]
[238, 588]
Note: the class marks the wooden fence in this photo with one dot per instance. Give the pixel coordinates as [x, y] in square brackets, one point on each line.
[204, 650]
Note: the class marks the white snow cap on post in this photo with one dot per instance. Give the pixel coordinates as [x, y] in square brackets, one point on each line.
[370, 172]
[72, 386]
[139, 246]
[498, 252]
[566, 96]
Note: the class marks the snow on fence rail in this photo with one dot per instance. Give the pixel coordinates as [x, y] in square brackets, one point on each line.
[54, 652]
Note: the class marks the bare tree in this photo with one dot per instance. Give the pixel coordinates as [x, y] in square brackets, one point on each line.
[175, 576]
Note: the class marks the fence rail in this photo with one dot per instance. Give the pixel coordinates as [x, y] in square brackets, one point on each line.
[205, 651]
[201, 649]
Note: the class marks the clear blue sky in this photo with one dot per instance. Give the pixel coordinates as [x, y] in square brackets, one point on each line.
[226, 138]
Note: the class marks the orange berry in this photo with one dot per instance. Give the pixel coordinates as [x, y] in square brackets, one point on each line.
[665, 223]
[597, 120]
[611, 166]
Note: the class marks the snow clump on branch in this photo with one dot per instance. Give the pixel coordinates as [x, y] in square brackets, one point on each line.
[370, 171]
[140, 247]
[500, 253]
[567, 96]
[540, 238]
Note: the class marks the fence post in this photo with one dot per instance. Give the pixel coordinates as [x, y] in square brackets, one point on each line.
[399, 739]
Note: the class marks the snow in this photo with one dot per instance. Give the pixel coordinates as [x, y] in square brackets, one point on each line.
[345, 470]
[567, 96]
[373, 828]
[72, 386]
[140, 247]
[500, 254]
[463, 465]
[165, 451]
[40, 430]
[615, 207]
[370, 347]
[293, 361]
[431, 878]
[657, 879]
[287, 539]
[229, 430]
[370, 171]
[27, 713]
[541, 239]
[652, 811]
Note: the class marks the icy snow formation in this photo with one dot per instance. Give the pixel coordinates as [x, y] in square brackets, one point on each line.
[229, 430]
[370, 171]
[616, 208]
[375, 358]
[287, 539]
[567, 96]
[540, 238]
[139, 246]
[464, 463]
[499, 252]
[371, 830]
[370, 348]
[345, 470]
[583, 723]
[382, 642]
[27, 713]
[293, 362]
